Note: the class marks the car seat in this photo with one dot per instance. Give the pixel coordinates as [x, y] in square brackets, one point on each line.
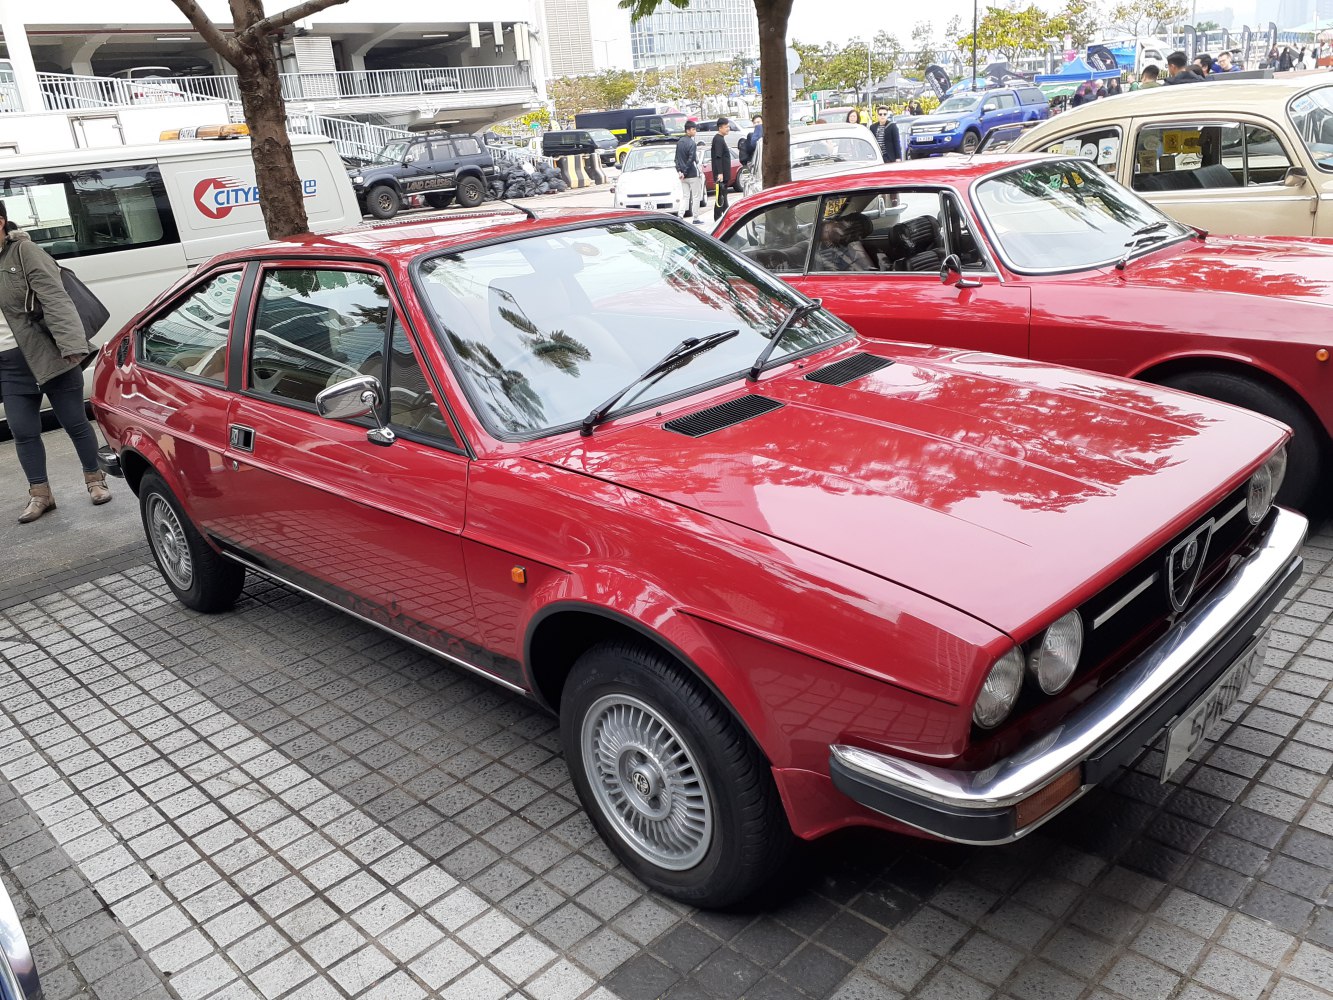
[917, 244]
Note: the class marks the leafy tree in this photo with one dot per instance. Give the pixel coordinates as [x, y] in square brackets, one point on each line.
[700, 82]
[1081, 20]
[1206, 26]
[773, 16]
[1146, 17]
[923, 35]
[1010, 32]
[248, 48]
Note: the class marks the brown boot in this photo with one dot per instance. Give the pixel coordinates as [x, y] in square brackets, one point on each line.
[39, 502]
[97, 488]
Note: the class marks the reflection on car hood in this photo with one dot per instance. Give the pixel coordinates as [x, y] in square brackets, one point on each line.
[999, 486]
[1289, 267]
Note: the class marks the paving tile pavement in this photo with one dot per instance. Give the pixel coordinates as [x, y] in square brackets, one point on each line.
[281, 802]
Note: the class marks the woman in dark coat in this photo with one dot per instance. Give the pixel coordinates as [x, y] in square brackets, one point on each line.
[42, 359]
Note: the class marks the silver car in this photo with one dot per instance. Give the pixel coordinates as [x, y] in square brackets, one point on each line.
[817, 151]
[18, 974]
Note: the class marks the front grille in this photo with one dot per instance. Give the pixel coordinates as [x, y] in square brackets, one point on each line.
[723, 415]
[927, 129]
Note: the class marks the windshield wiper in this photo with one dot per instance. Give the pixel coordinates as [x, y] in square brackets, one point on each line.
[1141, 237]
[679, 356]
[799, 310]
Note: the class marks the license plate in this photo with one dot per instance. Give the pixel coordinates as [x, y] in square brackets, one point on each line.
[1192, 726]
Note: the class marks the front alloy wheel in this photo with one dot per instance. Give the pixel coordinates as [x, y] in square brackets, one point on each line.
[166, 534]
[673, 783]
[647, 782]
[200, 576]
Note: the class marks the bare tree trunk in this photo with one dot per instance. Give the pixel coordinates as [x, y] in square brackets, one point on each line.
[280, 196]
[773, 77]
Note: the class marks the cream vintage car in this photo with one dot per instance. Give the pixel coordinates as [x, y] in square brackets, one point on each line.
[1249, 157]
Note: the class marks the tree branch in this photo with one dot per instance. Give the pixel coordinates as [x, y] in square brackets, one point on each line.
[210, 32]
[289, 16]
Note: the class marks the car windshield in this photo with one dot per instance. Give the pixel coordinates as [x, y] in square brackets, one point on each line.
[836, 149]
[394, 152]
[601, 134]
[1065, 215]
[543, 330]
[962, 102]
[649, 156]
[1312, 116]
[674, 124]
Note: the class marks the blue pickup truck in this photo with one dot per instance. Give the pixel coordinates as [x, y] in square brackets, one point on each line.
[960, 122]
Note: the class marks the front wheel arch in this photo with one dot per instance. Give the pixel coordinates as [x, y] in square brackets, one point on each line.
[1178, 368]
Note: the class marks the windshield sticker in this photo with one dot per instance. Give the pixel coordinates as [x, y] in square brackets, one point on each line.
[1302, 105]
[1088, 150]
[1108, 151]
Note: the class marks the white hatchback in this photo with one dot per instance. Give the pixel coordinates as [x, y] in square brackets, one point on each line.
[648, 180]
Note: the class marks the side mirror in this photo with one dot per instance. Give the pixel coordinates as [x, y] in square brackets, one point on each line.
[951, 273]
[353, 398]
[1295, 177]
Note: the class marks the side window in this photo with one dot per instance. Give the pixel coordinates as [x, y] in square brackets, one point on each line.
[960, 237]
[779, 236]
[192, 336]
[412, 405]
[442, 150]
[79, 213]
[1199, 156]
[1100, 145]
[887, 231]
[467, 147]
[1007, 101]
[314, 328]
[1263, 160]
[417, 152]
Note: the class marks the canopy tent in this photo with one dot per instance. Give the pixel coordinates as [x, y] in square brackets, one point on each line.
[1078, 71]
[898, 84]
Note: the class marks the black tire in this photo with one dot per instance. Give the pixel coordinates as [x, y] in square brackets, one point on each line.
[971, 140]
[1308, 447]
[383, 201]
[471, 192]
[739, 833]
[438, 200]
[200, 578]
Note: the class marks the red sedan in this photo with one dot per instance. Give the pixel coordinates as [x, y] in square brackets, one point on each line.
[773, 578]
[1047, 258]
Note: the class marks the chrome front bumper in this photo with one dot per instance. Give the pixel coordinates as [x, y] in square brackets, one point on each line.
[1106, 732]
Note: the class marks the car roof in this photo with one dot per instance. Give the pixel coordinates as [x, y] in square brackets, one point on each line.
[949, 170]
[410, 238]
[1220, 96]
[825, 130]
[170, 149]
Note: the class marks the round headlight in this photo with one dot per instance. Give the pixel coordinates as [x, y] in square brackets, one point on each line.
[1054, 661]
[1277, 468]
[1259, 496]
[1000, 691]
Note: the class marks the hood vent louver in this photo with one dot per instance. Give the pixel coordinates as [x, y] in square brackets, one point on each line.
[848, 369]
[723, 415]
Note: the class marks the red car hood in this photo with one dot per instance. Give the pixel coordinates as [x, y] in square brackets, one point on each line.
[1295, 268]
[1005, 488]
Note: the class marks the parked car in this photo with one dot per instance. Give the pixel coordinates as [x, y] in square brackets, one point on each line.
[1246, 156]
[773, 578]
[648, 179]
[607, 142]
[437, 165]
[150, 85]
[18, 973]
[706, 145]
[1047, 258]
[570, 142]
[817, 151]
[962, 121]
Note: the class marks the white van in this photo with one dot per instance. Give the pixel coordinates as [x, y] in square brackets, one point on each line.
[130, 220]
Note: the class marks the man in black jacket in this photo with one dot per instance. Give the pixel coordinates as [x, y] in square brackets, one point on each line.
[687, 167]
[886, 134]
[721, 168]
[1179, 70]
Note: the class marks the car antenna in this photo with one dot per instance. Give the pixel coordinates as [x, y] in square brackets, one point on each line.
[532, 216]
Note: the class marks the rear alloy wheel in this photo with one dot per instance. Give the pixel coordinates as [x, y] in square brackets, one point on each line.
[471, 192]
[672, 782]
[970, 142]
[1305, 451]
[198, 575]
[383, 202]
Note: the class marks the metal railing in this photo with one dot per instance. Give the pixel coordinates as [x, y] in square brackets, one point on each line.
[353, 139]
[63, 91]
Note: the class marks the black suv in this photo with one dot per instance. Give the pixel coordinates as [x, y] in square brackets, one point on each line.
[439, 166]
